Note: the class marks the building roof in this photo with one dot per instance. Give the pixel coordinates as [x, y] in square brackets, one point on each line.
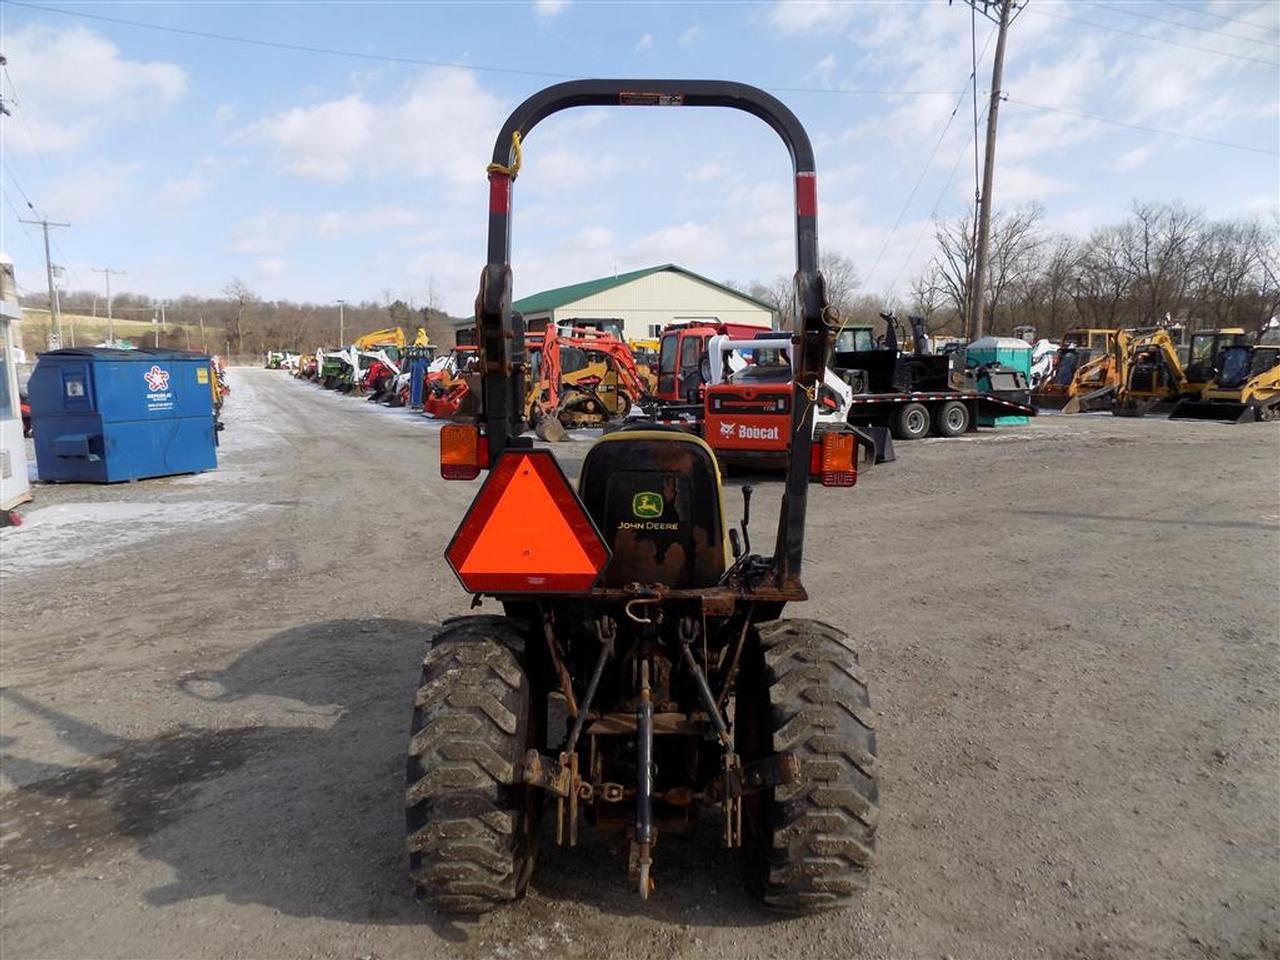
[557, 297]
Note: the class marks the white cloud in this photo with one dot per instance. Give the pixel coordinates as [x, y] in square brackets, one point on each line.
[680, 243]
[550, 8]
[73, 83]
[441, 126]
[269, 232]
[797, 16]
[1018, 184]
[644, 43]
[336, 225]
[690, 35]
[175, 194]
[1132, 159]
[272, 266]
[225, 113]
[824, 69]
[709, 172]
[85, 194]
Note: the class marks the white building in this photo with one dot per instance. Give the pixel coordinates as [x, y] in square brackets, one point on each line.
[641, 302]
[14, 486]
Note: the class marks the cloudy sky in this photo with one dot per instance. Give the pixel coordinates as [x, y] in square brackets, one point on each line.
[356, 166]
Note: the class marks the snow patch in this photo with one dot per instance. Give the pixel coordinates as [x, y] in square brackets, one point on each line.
[80, 532]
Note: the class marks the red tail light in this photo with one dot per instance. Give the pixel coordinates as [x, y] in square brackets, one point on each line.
[463, 451]
[833, 459]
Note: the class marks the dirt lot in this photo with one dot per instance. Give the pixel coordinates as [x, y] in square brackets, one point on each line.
[1072, 631]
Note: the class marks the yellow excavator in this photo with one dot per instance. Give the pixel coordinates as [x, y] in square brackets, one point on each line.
[391, 337]
[1095, 381]
[1143, 367]
[1204, 355]
[1246, 388]
[1152, 373]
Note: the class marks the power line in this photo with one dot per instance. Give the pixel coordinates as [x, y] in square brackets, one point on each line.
[1146, 36]
[417, 61]
[1218, 16]
[17, 101]
[929, 162]
[1184, 26]
[1145, 129]
[936, 204]
[279, 45]
[18, 214]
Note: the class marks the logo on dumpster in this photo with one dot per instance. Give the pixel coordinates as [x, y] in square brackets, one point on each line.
[157, 379]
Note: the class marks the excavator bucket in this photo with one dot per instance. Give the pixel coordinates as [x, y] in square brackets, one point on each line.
[550, 429]
[1223, 412]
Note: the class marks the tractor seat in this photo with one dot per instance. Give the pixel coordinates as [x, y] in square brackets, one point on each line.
[655, 495]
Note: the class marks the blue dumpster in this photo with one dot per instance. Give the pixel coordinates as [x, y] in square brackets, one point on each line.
[101, 415]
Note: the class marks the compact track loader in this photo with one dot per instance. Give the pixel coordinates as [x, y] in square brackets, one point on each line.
[631, 606]
[1246, 388]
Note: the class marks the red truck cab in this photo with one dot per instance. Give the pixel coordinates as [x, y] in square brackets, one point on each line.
[683, 345]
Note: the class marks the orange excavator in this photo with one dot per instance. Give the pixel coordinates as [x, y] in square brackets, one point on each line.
[580, 378]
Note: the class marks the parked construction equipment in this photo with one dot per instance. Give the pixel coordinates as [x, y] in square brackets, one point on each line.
[1204, 354]
[913, 395]
[1152, 373]
[747, 415]
[682, 350]
[1246, 388]
[1079, 347]
[622, 602]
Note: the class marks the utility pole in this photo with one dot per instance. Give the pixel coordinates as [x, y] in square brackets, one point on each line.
[111, 326]
[54, 312]
[342, 322]
[1001, 12]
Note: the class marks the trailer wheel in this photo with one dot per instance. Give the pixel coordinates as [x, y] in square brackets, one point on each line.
[472, 831]
[808, 845]
[911, 422]
[951, 419]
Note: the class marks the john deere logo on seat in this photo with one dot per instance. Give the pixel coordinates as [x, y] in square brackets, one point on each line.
[647, 506]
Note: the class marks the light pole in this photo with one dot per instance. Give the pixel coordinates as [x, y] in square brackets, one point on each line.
[111, 326]
[342, 322]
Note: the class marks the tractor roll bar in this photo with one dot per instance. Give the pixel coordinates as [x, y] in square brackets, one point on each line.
[501, 341]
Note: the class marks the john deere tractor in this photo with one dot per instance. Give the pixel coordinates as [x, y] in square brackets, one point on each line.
[632, 609]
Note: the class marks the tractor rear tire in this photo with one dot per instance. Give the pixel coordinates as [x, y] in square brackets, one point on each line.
[809, 845]
[910, 422]
[472, 829]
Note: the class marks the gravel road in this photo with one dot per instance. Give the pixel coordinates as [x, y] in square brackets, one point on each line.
[1072, 631]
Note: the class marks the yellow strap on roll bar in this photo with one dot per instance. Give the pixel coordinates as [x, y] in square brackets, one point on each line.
[513, 170]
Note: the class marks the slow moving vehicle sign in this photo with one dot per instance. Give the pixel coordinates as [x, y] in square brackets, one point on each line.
[527, 530]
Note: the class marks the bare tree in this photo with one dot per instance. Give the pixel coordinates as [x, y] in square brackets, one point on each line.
[241, 298]
[841, 280]
[1015, 253]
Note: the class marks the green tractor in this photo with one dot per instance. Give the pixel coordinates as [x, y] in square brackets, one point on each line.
[632, 607]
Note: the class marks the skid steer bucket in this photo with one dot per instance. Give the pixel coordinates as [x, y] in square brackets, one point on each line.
[1223, 412]
[1097, 400]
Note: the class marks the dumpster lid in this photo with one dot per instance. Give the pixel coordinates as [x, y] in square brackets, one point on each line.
[139, 354]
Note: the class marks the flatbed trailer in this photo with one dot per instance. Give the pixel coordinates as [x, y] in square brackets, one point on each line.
[945, 413]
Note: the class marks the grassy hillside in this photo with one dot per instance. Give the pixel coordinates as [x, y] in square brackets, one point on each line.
[83, 331]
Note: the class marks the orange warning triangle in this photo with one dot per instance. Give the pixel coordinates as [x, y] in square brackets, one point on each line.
[527, 533]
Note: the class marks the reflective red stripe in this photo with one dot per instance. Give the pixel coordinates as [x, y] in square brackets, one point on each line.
[807, 194]
[499, 193]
